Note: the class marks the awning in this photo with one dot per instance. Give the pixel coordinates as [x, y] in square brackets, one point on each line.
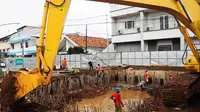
[26, 52]
[19, 39]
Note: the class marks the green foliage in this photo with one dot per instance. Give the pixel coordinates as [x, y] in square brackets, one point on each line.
[75, 50]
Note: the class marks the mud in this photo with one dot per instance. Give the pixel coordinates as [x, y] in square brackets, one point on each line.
[104, 102]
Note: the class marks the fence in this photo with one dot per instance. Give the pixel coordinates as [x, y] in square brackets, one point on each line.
[172, 58]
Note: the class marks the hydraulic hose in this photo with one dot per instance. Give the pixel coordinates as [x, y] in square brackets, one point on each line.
[185, 52]
[57, 5]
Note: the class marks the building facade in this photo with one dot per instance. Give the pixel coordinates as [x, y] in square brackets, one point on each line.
[24, 41]
[140, 29]
[4, 44]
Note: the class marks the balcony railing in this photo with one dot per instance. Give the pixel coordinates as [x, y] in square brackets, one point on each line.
[148, 25]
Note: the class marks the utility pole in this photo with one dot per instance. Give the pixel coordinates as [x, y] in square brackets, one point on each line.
[22, 48]
[107, 32]
[86, 40]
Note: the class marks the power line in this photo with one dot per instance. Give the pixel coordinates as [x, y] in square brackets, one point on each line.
[147, 21]
[85, 18]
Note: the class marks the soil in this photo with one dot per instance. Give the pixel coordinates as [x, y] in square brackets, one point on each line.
[76, 95]
[164, 67]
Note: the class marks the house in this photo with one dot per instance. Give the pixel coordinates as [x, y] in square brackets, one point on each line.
[94, 44]
[141, 29]
[23, 42]
[4, 45]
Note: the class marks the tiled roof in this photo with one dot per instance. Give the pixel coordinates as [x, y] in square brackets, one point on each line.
[92, 41]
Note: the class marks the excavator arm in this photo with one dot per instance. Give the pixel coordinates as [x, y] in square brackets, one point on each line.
[16, 85]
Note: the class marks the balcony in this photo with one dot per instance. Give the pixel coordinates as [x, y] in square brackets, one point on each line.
[148, 26]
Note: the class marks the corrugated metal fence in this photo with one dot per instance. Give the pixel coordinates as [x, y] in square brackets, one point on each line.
[171, 58]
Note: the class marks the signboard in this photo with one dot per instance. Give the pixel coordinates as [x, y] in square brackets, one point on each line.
[19, 61]
[3, 64]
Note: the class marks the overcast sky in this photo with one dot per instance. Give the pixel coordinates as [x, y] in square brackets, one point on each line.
[29, 12]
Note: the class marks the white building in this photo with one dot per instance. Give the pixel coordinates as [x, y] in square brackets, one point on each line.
[140, 29]
[23, 42]
[4, 45]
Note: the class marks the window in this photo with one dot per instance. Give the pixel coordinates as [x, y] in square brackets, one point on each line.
[21, 45]
[164, 22]
[164, 47]
[129, 24]
[12, 46]
[26, 44]
[161, 22]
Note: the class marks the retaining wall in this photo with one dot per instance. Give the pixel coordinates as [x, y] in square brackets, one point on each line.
[66, 84]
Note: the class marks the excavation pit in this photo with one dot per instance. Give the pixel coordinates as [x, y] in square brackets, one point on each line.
[66, 88]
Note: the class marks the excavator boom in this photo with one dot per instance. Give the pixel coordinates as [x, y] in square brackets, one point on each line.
[16, 85]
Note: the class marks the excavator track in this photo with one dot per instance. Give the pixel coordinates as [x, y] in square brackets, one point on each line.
[181, 89]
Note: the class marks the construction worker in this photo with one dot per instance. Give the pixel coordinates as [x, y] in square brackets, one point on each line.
[99, 69]
[117, 100]
[90, 65]
[170, 77]
[64, 63]
[141, 85]
[147, 75]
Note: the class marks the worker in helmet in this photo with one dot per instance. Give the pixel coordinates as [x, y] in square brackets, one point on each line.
[98, 69]
[170, 77]
[117, 100]
[147, 76]
[141, 85]
[64, 63]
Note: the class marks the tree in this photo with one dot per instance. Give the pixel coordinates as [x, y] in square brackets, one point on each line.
[75, 50]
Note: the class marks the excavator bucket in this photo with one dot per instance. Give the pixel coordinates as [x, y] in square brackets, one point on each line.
[15, 85]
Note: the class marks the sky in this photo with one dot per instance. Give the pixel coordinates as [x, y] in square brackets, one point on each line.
[30, 12]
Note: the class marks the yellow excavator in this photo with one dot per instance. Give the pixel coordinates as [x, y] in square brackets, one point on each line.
[16, 85]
